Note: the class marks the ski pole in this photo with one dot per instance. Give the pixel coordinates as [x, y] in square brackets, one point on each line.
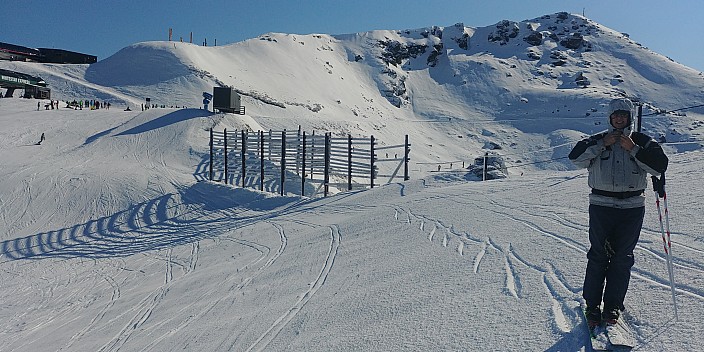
[659, 188]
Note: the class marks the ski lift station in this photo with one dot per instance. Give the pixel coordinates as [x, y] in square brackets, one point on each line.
[34, 87]
[226, 99]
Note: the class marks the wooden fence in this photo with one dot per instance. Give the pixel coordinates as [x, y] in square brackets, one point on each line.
[280, 159]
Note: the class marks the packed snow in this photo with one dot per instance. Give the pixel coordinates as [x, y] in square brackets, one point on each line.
[113, 238]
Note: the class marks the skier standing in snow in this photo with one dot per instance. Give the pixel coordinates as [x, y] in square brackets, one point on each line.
[618, 161]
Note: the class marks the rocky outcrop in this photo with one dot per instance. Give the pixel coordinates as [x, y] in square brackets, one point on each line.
[535, 38]
[433, 57]
[574, 41]
[505, 30]
[394, 53]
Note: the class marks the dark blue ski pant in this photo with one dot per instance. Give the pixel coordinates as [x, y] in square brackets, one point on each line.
[613, 234]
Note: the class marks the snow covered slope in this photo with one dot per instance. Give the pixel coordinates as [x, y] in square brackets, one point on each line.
[111, 240]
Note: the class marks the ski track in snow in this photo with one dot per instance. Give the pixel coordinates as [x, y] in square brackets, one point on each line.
[101, 314]
[448, 235]
[263, 341]
[431, 234]
[479, 256]
[143, 312]
[511, 278]
[230, 287]
[636, 272]
[512, 283]
[147, 306]
[563, 298]
[563, 323]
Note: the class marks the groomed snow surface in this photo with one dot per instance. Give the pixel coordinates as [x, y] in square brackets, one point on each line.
[112, 239]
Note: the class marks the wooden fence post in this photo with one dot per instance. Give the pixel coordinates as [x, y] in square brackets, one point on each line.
[270, 144]
[298, 151]
[303, 165]
[407, 150]
[371, 162]
[486, 156]
[326, 178]
[312, 154]
[349, 162]
[211, 155]
[244, 156]
[224, 135]
[283, 160]
[261, 160]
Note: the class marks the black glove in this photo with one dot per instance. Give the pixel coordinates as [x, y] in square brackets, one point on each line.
[659, 185]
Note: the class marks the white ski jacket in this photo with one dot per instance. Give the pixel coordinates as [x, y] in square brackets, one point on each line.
[618, 177]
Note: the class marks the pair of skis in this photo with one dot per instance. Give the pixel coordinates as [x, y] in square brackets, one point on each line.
[616, 337]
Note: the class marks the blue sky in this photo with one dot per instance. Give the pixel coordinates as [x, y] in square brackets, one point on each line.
[103, 27]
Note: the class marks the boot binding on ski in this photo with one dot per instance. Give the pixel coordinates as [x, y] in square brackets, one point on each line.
[593, 315]
[610, 315]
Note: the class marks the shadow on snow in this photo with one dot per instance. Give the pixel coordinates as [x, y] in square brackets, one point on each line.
[203, 210]
[168, 119]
